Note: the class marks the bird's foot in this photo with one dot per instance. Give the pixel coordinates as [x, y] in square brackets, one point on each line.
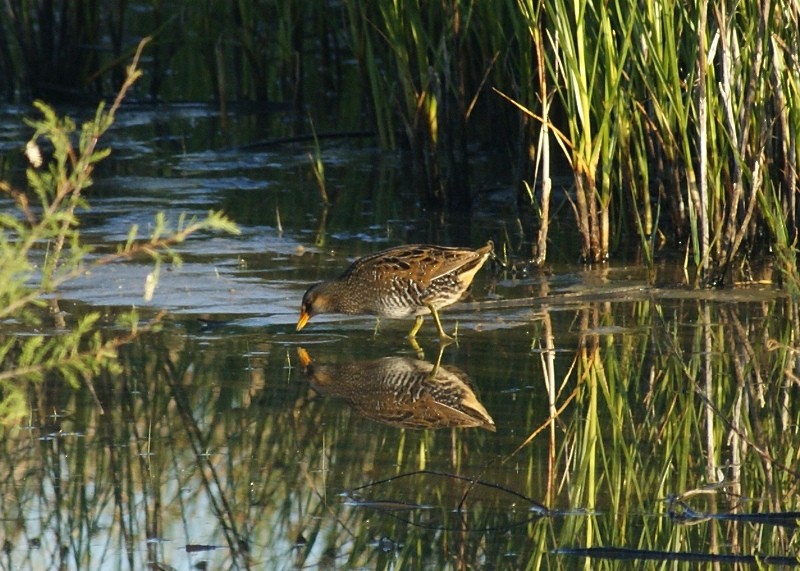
[416, 348]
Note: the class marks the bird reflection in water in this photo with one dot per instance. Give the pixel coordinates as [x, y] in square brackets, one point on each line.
[401, 391]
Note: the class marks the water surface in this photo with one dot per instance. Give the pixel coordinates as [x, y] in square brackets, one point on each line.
[623, 405]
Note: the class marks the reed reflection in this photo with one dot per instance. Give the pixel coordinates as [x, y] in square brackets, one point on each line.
[401, 391]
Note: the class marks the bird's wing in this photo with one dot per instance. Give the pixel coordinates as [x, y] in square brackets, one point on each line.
[418, 262]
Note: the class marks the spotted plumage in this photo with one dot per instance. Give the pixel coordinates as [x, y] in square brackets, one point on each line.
[401, 391]
[406, 281]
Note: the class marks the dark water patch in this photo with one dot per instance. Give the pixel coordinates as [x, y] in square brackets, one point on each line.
[623, 554]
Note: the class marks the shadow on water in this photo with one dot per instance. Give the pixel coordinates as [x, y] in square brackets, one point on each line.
[625, 419]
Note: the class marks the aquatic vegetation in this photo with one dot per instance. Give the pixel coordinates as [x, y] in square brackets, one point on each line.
[41, 250]
[673, 137]
[678, 122]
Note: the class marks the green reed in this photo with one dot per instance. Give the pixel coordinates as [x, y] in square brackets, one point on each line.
[685, 128]
[589, 50]
[425, 67]
[532, 92]
[682, 420]
[399, 46]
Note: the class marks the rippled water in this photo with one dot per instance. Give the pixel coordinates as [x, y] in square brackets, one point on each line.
[230, 440]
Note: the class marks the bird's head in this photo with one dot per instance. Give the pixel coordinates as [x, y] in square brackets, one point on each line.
[318, 299]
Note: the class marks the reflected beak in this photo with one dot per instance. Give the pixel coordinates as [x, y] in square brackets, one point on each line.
[304, 317]
[305, 358]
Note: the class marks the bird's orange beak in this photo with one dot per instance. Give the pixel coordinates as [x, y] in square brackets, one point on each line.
[304, 317]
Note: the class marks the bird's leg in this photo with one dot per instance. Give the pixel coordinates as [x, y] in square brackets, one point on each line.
[417, 325]
[377, 326]
[417, 349]
[435, 369]
[442, 335]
